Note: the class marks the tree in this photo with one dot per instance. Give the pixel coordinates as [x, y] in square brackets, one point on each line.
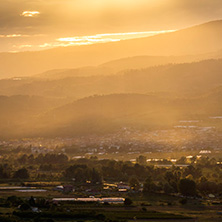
[149, 186]
[141, 160]
[96, 177]
[167, 188]
[21, 173]
[4, 173]
[128, 202]
[32, 201]
[173, 177]
[187, 187]
[134, 183]
[208, 187]
[25, 206]
[79, 175]
[196, 172]
[14, 201]
[23, 159]
[183, 201]
[182, 160]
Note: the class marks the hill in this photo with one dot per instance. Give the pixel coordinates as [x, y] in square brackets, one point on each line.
[78, 72]
[201, 39]
[142, 62]
[19, 111]
[104, 114]
[177, 79]
[115, 66]
[25, 116]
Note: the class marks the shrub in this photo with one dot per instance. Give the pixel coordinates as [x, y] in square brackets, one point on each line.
[128, 202]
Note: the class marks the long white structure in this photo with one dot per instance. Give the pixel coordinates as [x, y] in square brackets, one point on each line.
[93, 199]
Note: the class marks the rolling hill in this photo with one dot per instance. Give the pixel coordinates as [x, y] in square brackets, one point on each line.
[18, 111]
[177, 79]
[142, 62]
[200, 39]
[104, 114]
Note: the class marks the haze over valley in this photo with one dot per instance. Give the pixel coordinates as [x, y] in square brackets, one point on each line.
[110, 110]
[164, 79]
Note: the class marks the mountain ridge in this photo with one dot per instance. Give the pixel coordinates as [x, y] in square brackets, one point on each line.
[195, 40]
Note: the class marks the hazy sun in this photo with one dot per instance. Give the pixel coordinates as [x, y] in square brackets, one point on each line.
[30, 13]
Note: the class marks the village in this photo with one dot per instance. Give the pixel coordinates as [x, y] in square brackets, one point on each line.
[189, 137]
[134, 172]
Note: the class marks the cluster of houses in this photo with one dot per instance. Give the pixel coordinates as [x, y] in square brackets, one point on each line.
[120, 187]
[129, 141]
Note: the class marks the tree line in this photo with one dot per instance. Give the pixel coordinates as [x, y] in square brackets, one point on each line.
[203, 176]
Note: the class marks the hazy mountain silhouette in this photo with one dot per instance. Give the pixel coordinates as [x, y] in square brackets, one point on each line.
[19, 111]
[141, 62]
[196, 40]
[78, 72]
[115, 66]
[102, 114]
[177, 79]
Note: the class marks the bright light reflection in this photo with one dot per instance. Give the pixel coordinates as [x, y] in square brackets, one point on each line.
[110, 37]
[30, 13]
[93, 39]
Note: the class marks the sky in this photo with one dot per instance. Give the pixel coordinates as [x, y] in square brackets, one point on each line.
[41, 24]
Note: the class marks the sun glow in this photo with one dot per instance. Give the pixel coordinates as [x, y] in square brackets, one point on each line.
[13, 36]
[110, 37]
[30, 13]
[86, 40]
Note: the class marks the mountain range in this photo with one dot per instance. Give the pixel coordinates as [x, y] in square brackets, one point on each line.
[200, 39]
[177, 79]
[144, 83]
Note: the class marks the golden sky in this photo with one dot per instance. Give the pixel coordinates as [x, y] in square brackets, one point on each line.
[38, 24]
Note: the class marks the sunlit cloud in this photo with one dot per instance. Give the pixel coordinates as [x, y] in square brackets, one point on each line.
[45, 45]
[49, 45]
[110, 37]
[86, 40]
[134, 33]
[92, 39]
[13, 36]
[13, 51]
[30, 13]
[24, 46]
[52, 45]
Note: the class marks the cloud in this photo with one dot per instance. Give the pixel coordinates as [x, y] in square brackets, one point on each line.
[23, 46]
[13, 36]
[110, 37]
[89, 40]
[30, 13]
